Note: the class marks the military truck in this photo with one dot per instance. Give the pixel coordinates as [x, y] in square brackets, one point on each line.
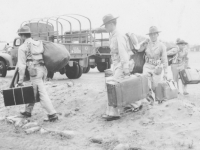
[83, 45]
[102, 57]
[78, 44]
[8, 60]
[100, 41]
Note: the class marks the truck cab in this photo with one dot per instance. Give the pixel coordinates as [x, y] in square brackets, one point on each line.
[8, 58]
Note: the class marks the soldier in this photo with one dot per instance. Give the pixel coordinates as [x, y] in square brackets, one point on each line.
[120, 55]
[179, 61]
[37, 74]
[156, 62]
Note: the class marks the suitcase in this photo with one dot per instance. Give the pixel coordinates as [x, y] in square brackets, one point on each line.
[190, 76]
[127, 90]
[166, 91]
[19, 95]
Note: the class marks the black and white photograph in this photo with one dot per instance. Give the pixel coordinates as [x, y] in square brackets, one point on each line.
[99, 75]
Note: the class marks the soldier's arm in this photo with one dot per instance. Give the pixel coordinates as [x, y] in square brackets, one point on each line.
[124, 56]
[172, 51]
[21, 64]
[164, 58]
[143, 45]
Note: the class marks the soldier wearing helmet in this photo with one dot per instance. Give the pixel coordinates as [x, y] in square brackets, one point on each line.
[37, 72]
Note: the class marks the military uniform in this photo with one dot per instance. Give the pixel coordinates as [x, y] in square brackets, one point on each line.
[120, 55]
[156, 55]
[25, 59]
[179, 62]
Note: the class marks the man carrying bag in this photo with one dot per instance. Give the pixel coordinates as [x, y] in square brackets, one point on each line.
[30, 55]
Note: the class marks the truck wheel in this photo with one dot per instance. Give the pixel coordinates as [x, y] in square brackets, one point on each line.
[3, 69]
[72, 72]
[101, 66]
[86, 69]
[109, 65]
[50, 75]
[80, 72]
[93, 66]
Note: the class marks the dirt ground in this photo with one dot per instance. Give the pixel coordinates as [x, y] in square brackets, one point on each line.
[173, 125]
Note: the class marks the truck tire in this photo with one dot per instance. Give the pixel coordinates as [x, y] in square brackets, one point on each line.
[109, 65]
[3, 69]
[86, 69]
[50, 75]
[93, 66]
[80, 71]
[72, 72]
[101, 66]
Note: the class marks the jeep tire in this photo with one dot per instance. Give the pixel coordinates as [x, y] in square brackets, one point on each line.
[3, 69]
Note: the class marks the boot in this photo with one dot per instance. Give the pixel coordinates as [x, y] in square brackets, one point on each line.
[51, 118]
[26, 114]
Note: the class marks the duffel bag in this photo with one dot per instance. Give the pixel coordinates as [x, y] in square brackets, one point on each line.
[56, 56]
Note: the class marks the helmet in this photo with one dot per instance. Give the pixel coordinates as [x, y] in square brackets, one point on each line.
[24, 29]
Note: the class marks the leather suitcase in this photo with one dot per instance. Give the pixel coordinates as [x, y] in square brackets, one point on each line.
[127, 90]
[166, 91]
[19, 95]
[190, 76]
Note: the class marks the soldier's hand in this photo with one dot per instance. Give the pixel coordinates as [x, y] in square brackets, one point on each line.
[19, 85]
[165, 76]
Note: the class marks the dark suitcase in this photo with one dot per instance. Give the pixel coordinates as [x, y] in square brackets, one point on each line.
[19, 95]
[127, 91]
[190, 76]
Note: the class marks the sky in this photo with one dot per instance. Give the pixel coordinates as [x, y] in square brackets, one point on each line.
[174, 18]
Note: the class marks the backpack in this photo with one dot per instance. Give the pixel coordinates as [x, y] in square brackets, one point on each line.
[36, 49]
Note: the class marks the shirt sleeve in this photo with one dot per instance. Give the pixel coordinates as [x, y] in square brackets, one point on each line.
[164, 59]
[21, 64]
[142, 46]
[123, 53]
[172, 51]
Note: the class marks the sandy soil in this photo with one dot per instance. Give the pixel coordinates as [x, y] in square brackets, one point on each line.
[173, 125]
